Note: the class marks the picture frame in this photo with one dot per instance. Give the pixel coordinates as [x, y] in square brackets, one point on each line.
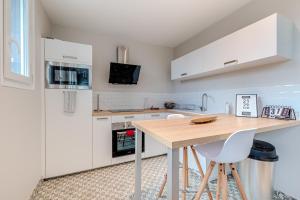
[246, 105]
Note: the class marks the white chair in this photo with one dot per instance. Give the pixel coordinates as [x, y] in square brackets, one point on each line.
[235, 149]
[185, 170]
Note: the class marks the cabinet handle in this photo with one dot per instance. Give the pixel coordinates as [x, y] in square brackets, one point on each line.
[70, 57]
[231, 62]
[102, 118]
[155, 115]
[129, 117]
[184, 74]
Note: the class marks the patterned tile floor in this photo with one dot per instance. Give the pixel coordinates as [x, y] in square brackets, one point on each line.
[117, 183]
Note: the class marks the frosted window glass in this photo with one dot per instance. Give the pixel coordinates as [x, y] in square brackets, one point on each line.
[19, 40]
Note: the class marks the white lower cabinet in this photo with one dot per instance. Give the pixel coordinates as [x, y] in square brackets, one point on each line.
[102, 139]
[102, 142]
[152, 146]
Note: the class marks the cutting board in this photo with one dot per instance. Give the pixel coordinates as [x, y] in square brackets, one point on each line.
[203, 119]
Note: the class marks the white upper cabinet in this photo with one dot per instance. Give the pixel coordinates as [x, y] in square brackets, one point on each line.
[266, 41]
[69, 52]
[188, 65]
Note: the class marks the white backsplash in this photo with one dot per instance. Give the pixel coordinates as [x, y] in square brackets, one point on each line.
[288, 95]
[126, 100]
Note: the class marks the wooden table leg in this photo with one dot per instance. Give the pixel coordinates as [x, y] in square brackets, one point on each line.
[201, 170]
[138, 164]
[173, 174]
[238, 181]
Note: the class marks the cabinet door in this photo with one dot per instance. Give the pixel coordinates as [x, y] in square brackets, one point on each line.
[195, 64]
[68, 52]
[152, 146]
[68, 135]
[102, 141]
[188, 65]
[178, 68]
[214, 55]
[257, 41]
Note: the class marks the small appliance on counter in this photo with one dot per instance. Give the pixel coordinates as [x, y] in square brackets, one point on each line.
[278, 112]
[170, 105]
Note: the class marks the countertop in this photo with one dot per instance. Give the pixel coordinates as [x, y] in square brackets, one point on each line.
[109, 113]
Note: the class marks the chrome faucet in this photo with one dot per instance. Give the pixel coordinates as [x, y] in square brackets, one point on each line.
[203, 108]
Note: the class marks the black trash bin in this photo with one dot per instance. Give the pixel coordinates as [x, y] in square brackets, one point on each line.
[257, 171]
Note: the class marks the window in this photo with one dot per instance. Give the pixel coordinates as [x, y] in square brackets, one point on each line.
[18, 48]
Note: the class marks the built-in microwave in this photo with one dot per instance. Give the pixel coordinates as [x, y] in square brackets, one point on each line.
[68, 76]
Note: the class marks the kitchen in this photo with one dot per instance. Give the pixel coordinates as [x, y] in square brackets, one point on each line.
[275, 82]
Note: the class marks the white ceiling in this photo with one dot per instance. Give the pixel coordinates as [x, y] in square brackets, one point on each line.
[160, 22]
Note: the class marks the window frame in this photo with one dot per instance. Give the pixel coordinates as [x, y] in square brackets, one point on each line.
[8, 78]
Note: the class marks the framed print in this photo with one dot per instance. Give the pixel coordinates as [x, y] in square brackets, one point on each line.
[246, 105]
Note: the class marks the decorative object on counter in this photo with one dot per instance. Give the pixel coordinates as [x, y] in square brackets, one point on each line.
[278, 112]
[203, 119]
[227, 108]
[246, 105]
[170, 105]
[154, 108]
[98, 104]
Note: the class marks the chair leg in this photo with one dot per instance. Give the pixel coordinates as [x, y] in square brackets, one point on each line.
[184, 179]
[201, 170]
[187, 168]
[238, 181]
[224, 183]
[219, 181]
[205, 180]
[163, 185]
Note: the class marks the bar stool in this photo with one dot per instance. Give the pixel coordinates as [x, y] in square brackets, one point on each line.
[185, 170]
[235, 149]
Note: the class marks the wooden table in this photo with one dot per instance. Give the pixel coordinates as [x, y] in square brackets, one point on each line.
[180, 132]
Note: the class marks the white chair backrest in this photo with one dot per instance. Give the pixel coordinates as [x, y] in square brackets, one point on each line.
[175, 116]
[237, 147]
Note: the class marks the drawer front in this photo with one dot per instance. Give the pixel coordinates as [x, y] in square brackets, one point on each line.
[155, 116]
[127, 118]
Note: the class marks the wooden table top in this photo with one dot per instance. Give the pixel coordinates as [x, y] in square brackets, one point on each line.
[180, 132]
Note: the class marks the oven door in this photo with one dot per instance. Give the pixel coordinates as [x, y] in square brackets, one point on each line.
[67, 76]
[123, 142]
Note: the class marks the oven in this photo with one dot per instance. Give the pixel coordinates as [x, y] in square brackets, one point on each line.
[68, 76]
[123, 139]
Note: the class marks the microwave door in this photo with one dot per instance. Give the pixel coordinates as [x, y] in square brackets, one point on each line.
[67, 76]
[59, 76]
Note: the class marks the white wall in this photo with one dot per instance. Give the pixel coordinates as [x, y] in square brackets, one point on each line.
[275, 83]
[155, 60]
[20, 123]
